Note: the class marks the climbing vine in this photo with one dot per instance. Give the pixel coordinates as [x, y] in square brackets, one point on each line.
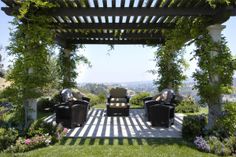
[31, 43]
[171, 66]
[215, 74]
[221, 65]
[68, 61]
[169, 57]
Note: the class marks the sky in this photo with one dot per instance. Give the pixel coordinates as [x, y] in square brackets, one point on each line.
[126, 63]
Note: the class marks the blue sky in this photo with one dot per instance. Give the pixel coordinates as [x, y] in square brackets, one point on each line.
[125, 63]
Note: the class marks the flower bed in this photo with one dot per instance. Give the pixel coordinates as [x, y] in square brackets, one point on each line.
[39, 135]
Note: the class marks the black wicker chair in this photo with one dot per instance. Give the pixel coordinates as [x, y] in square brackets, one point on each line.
[118, 102]
[162, 115]
[72, 113]
[161, 112]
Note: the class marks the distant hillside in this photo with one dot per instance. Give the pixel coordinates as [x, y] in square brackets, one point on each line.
[140, 86]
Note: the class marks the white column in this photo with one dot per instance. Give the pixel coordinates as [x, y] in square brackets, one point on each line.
[215, 33]
[31, 105]
[214, 109]
[32, 109]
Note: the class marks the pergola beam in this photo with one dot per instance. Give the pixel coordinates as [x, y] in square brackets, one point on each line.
[130, 11]
[115, 26]
[136, 11]
[111, 35]
[119, 42]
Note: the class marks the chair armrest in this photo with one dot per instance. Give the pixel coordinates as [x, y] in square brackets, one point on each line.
[152, 102]
[147, 99]
[128, 98]
[86, 99]
[81, 102]
[109, 99]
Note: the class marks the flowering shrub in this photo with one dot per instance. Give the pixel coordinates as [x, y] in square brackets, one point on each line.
[215, 145]
[201, 144]
[26, 144]
[39, 137]
[60, 132]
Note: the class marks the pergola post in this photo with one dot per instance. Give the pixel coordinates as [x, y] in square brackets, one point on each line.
[30, 106]
[66, 67]
[215, 109]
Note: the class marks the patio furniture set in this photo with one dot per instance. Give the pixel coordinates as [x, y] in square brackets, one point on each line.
[72, 112]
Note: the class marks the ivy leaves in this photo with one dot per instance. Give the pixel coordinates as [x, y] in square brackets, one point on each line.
[68, 61]
[26, 4]
[215, 75]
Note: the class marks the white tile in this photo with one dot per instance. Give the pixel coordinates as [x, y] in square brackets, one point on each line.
[133, 126]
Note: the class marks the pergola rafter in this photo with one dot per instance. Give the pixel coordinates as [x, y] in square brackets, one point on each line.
[121, 21]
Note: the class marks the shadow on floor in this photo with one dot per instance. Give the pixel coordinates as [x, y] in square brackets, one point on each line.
[125, 141]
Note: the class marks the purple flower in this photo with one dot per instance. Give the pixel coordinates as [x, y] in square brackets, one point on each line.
[201, 144]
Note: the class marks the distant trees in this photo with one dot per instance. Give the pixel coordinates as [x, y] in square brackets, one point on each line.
[96, 88]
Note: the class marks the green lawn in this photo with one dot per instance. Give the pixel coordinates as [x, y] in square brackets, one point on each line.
[117, 148]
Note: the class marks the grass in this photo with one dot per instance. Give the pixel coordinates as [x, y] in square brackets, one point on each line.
[100, 147]
[91, 147]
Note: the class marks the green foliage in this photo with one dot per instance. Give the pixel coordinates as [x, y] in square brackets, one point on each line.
[220, 65]
[231, 143]
[95, 88]
[56, 98]
[68, 61]
[193, 125]
[187, 105]
[170, 68]
[217, 3]
[138, 98]
[169, 57]
[7, 137]
[55, 81]
[97, 99]
[39, 127]
[30, 5]
[226, 125]
[30, 44]
[219, 147]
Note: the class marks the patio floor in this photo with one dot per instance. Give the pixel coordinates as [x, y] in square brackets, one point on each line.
[99, 125]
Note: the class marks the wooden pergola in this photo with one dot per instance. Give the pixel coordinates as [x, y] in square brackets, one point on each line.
[122, 21]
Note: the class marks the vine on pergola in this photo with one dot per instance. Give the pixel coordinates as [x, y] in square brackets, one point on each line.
[67, 62]
[169, 57]
[32, 42]
[171, 66]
